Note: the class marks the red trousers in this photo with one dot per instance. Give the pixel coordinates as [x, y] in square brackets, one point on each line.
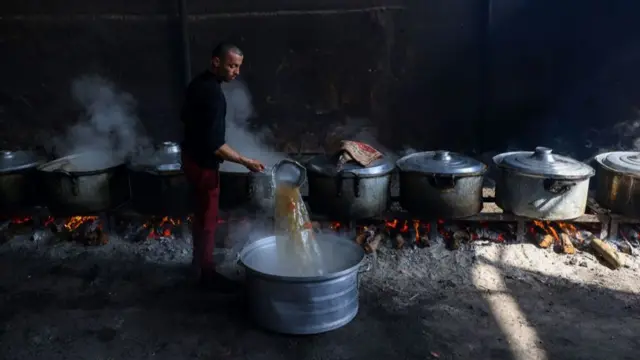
[205, 184]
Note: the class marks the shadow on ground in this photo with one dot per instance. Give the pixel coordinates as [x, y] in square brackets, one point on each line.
[90, 307]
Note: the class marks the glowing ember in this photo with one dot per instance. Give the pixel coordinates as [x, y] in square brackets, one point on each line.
[22, 220]
[157, 228]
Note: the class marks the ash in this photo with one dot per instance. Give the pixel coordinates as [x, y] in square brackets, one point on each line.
[127, 300]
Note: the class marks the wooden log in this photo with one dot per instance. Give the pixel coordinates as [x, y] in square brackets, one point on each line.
[567, 245]
[372, 245]
[546, 242]
[361, 238]
[399, 241]
[425, 241]
[607, 252]
[453, 243]
[462, 236]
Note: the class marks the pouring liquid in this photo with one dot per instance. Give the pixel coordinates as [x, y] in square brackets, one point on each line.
[296, 246]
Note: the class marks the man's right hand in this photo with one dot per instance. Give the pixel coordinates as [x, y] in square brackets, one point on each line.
[253, 165]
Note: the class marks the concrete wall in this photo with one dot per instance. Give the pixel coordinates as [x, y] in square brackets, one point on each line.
[431, 75]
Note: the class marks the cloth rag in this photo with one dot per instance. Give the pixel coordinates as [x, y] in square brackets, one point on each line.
[359, 152]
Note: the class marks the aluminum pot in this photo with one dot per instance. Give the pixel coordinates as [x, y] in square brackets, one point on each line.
[84, 184]
[351, 192]
[287, 301]
[618, 182]
[241, 189]
[18, 181]
[158, 184]
[540, 185]
[441, 184]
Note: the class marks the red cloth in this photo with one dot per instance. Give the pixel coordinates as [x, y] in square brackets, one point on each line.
[359, 152]
[205, 184]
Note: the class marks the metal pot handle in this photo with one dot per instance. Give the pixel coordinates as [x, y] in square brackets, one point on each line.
[443, 183]
[75, 190]
[558, 187]
[356, 184]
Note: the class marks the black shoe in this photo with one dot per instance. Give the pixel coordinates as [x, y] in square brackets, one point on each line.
[220, 284]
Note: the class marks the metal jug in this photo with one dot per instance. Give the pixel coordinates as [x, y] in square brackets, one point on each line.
[289, 172]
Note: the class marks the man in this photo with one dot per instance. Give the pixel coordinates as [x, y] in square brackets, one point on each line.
[203, 149]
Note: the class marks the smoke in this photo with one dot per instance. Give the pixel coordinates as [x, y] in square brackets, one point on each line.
[252, 145]
[109, 126]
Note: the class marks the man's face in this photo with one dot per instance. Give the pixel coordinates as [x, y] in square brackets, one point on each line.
[227, 68]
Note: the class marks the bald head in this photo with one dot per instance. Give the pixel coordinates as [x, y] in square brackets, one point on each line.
[226, 60]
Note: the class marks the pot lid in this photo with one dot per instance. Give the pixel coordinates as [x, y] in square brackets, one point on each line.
[622, 161]
[166, 157]
[543, 162]
[18, 160]
[441, 162]
[84, 162]
[327, 165]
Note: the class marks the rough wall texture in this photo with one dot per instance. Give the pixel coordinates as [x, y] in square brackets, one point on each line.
[431, 75]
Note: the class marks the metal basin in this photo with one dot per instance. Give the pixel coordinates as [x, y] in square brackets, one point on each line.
[288, 301]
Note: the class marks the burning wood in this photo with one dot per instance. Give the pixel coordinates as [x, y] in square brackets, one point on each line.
[89, 232]
[566, 244]
[366, 235]
[86, 230]
[607, 252]
[56, 225]
[462, 236]
[488, 234]
[425, 241]
[547, 241]
[453, 243]
[372, 245]
[399, 241]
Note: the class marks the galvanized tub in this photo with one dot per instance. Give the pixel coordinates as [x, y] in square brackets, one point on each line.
[290, 302]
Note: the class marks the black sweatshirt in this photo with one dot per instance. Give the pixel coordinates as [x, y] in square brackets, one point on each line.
[203, 116]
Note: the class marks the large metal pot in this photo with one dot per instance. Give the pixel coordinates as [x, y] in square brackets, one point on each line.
[352, 192]
[158, 184]
[540, 185]
[285, 300]
[18, 181]
[84, 184]
[441, 184]
[241, 189]
[618, 182]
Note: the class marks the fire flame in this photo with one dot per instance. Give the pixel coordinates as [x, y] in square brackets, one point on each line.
[553, 229]
[162, 228]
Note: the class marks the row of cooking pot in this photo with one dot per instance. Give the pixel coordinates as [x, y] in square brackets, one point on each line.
[92, 181]
[536, 184]
[440, 184]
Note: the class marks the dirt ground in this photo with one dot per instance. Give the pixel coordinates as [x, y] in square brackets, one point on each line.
[483, 301]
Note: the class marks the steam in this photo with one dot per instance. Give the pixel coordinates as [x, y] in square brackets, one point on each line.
[109, 127]
[239, 110]
[625, 136]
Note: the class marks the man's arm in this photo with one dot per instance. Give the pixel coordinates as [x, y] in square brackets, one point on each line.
[225, 152]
